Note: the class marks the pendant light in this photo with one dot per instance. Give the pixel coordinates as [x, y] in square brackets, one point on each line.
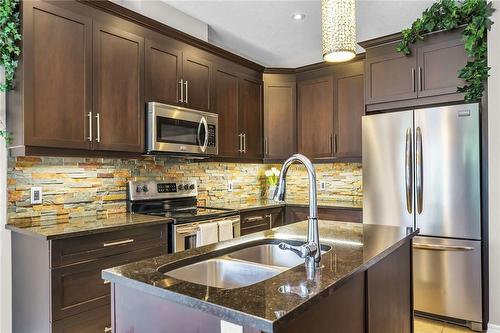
[338, 18]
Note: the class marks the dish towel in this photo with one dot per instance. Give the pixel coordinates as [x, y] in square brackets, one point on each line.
[206, 234]
[225, 230]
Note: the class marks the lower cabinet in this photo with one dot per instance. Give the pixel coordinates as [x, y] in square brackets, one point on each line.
[260, 220]
[66, 293]
[300, 213]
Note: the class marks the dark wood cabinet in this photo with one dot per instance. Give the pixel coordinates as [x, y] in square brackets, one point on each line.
[70, 294]
[57, 69]
[279, 116]
[196, 74]
[118, 90]
[226, 85]
[349, 108]
[260, 220]
[429, 75]
[300, 213]
[250, 107]
[163, 72]
[315, 117]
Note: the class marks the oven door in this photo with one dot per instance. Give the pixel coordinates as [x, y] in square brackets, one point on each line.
[174, 129]
[184, 235]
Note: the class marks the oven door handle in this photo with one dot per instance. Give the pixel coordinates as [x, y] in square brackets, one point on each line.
[203, 122]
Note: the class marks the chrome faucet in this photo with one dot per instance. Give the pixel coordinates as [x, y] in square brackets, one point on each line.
[311, 250]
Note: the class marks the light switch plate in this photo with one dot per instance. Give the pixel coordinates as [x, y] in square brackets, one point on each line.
[230, 186]
[322, 185]
[227, 327]
[36, 195]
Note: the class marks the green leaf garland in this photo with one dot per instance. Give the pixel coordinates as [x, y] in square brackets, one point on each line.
[451, 14]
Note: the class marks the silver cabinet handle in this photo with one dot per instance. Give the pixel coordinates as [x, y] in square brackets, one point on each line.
[255, 218]
[240, 143]
[413, 79]
[107, 329]
[437, 247]
[98, 125]
[409, 171]
[270, 217]
[181, 93]
[244, 143]
[334, 143]
[419, 171]
[330, 147]
[266, 147]
[420, 81]
[89, 115]
[187, 89]
[125, 241]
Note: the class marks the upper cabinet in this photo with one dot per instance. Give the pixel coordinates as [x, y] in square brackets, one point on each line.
[279, 116]
[238, 102]
[118, 93]
[54, 81]
[177, 77]
[330, 106]
[428, 75]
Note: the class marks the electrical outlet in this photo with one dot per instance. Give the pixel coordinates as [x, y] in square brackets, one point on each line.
[230, 185]
[36, 195]
[322, 185]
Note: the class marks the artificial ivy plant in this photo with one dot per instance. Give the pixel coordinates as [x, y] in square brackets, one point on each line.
[451, 14]
[9, 49]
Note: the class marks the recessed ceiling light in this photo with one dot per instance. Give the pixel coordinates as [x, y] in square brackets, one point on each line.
[298, 16]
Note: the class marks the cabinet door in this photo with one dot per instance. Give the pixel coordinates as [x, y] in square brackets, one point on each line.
[315, 117]
[391, 76]
[279, 116]
[349, 108]
[118, 97]
[58, 74]
[438, 66]
[196, 73]
[250, 107]
[226, 106]
[163, 73]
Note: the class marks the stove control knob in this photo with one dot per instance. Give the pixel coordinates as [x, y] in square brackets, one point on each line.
[186, 187]
[191, 187]
[180, 187]
[138, 189]
[145, 188]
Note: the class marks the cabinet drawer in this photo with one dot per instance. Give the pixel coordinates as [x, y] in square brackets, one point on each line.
[78, 288]
[94, 321]
[85, 248]
[256, 219]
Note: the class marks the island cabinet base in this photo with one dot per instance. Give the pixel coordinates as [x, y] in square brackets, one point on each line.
[376, 299]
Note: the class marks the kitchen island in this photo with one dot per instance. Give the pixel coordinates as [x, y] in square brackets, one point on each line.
[364, 284]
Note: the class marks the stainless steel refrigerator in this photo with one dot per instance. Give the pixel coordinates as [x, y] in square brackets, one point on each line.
[421, 168]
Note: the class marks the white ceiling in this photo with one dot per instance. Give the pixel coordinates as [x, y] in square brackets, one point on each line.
[264, 32]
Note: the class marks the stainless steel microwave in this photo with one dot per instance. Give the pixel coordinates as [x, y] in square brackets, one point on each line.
[177, 130]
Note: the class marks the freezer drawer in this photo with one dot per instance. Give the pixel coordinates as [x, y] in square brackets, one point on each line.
[447, 277]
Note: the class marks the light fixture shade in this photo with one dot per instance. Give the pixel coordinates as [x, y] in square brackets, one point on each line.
[338, 19]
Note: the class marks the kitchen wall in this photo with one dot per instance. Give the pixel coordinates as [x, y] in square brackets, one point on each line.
[494, 169]
[75, 187]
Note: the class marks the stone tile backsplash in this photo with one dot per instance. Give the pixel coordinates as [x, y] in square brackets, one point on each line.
[74, 187]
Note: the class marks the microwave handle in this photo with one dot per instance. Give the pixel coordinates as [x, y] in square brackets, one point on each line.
[203, 122]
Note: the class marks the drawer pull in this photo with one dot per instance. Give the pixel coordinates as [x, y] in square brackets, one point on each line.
[125, 241]
[437, 247]
[107, 329]
[255, 218]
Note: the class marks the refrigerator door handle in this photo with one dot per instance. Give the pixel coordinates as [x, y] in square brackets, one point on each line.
[441, 247]
[419, 171]
[409, 171]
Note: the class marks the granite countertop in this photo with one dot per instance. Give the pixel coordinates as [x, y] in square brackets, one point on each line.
[355, 247]
[249, 205]
[73, 227]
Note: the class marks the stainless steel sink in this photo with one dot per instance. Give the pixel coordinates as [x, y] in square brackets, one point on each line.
[238, 268]
[224, 273]
[268, 254]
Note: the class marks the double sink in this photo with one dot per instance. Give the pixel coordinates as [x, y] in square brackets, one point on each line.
[239, 267]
